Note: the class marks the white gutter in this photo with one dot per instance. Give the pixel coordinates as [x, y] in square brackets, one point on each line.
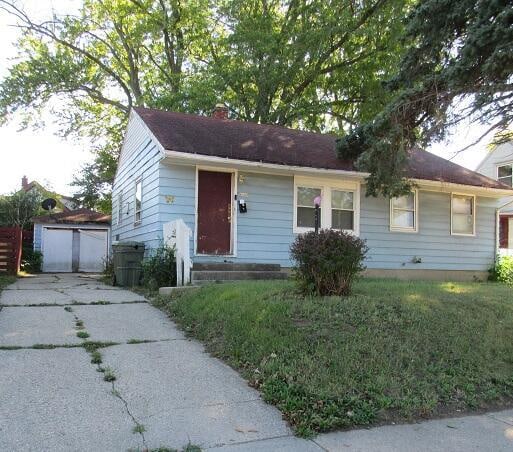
[451, 186]
[188, 158]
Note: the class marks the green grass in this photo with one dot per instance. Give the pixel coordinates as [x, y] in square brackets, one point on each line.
[82, 334]
[5, 280]
[139, 428]
[96, 357]
[393, 351]
[108, 374]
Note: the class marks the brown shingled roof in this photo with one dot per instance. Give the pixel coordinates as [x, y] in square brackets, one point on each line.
[279, 145]
[78, 216]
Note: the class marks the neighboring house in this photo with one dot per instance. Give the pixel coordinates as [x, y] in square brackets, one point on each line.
[498, 164]
[246, 190]
[73, 241]
[63, 202]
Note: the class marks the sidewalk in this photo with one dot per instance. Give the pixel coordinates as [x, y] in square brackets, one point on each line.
[487, 432]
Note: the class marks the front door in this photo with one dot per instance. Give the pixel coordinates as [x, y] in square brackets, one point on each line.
[214, 212]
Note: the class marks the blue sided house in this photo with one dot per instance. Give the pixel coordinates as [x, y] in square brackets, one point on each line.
[246, 190]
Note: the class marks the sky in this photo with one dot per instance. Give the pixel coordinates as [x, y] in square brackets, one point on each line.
[43, 156]
[39, 154]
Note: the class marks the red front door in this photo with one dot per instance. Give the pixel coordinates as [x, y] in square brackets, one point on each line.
[214, 212]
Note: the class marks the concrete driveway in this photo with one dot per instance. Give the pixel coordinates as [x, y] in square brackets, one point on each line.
[167, 391]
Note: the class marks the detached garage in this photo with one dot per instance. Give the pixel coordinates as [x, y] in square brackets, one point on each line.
[73, 241]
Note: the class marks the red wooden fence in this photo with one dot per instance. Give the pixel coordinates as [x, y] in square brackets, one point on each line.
[10, 250]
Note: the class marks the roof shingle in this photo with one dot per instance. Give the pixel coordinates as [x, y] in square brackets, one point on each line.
[283, 146]
[74, 217]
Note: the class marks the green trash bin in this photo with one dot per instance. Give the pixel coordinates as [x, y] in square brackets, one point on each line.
[127, 260]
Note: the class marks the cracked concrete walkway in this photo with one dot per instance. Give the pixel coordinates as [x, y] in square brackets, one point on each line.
[56, 400]
[53, 399]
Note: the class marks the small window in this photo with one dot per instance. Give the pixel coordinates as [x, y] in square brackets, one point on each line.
[306, 207]
[463, 214]
[138, 202]
[505, 174]
[403, 213]
[120, 208]
[342, 210]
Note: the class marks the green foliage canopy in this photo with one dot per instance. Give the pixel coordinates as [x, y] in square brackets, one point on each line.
[460, 52]
[19, 208]
[312, 64]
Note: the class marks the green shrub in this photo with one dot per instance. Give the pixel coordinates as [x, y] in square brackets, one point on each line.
[327, 263]
[159, 269]
[31, 261]
[502, 270]
[108, 270]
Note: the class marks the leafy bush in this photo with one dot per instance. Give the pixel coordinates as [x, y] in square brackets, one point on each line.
[159, 269]
[502, 270]
[327, 263]
[108, 270]
[31, 261]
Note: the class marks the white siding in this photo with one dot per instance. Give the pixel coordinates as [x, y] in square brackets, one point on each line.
[499, 155]
[139, 158]
[264, 233]
[433, 243]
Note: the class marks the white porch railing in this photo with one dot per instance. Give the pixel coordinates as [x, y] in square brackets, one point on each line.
[177, 234]
[506, 252]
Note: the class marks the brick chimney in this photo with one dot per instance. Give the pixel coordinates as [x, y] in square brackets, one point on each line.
[24, 183]
[220, 112]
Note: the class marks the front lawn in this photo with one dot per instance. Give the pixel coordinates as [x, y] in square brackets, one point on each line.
[393, 351]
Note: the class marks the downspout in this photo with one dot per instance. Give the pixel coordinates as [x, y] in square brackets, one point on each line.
[497, 225]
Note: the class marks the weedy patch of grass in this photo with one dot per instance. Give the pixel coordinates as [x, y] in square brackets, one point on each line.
[392, 351]
[79, 325]
[139, 428]
[191, 448]
[96, 357]
[108, 374]
[91, 346]
[188, 448]
[140, 341]
[47, 346]
[68, 308]
[82, 334]
[5, 280]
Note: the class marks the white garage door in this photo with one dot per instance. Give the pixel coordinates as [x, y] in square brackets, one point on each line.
[93, 250]
[57, 250]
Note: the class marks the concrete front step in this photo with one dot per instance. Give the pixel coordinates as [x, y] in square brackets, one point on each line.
[237, 275]
[231, 266]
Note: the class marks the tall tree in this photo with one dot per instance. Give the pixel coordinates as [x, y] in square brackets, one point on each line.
[90, 69]
[313, 64]
[459, 66]
[18, 209]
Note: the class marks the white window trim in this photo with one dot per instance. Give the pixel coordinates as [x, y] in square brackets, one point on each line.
[138, 222]
[415, 228]
[474, 210]
[326, 185]
[498, 165]
[119, 208]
